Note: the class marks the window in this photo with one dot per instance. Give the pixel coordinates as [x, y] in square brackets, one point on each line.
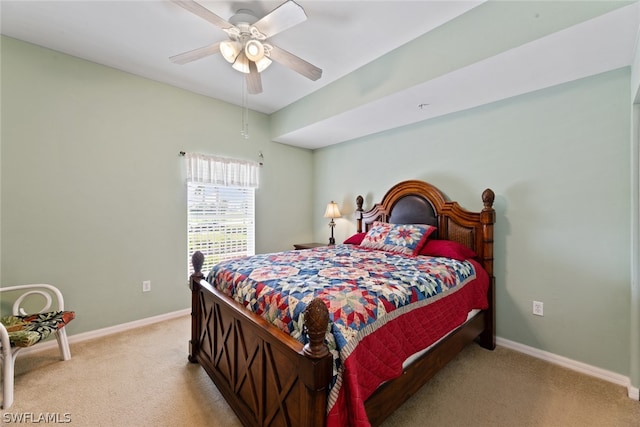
[221, 208]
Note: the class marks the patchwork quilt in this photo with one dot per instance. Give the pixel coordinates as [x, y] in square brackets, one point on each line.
[383, 307]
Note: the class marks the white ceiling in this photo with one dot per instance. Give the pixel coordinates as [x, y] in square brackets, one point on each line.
[338, 36]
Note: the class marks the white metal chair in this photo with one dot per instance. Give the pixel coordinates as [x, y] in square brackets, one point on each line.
[21, 330]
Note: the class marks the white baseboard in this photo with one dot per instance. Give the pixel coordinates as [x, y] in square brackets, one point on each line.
[633, 392]
[98, 333]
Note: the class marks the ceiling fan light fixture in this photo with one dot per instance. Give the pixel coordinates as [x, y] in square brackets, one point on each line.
[262, 64]
[230, 50]
[254, 50]
[241, 63]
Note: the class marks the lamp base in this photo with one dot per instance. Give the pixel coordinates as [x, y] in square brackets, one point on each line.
[332, 241]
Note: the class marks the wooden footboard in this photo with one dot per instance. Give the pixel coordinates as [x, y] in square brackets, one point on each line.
[266, 376]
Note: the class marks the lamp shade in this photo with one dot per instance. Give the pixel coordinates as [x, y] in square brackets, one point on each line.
[263, 63]
[230, 50]
[241, 63]
[332, 210]
[254, 50]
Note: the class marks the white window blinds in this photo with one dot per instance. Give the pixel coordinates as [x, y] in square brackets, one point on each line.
[221, 208]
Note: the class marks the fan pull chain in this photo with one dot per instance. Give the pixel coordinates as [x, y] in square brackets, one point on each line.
[244, 129]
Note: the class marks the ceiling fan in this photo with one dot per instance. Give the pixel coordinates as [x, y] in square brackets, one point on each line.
[247, 48]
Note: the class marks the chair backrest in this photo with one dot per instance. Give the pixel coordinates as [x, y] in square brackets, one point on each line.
[33, 292]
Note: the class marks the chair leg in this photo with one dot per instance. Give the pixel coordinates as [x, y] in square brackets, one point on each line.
[63, 344]
[8, 364]
[9, 361]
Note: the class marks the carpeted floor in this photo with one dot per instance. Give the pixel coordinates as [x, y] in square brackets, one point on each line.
[142, 378]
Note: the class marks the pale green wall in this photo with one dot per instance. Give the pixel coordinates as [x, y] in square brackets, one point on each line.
[635, 221]
[558, 161]
[93, 192]
[634, 340]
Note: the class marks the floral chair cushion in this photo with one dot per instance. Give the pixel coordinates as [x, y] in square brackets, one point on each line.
[25, 331]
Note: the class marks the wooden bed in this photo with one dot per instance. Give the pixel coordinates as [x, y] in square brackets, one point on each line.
[271, 379]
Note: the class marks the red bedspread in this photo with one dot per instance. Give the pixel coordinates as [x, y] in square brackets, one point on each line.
[379, 356]
[383, 308]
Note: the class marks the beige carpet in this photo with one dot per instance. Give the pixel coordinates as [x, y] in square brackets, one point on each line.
[142, 378]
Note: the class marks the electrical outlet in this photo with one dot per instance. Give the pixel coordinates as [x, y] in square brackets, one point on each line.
[538, 308]
[146, 286]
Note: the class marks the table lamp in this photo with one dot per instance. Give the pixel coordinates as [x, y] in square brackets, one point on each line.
[332, 212]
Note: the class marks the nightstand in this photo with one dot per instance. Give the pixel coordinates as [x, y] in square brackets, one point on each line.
[299, 246]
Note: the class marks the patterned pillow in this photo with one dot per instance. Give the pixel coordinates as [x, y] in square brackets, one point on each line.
[406, 239]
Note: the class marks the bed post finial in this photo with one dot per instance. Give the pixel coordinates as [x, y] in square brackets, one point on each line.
[316, 322]
[359, 203]
[488, 196]
[197, 259]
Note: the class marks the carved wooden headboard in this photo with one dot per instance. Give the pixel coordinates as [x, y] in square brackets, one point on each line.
[418, 202]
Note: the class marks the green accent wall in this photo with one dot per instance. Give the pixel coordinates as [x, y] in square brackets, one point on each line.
[558, 161]
[93, 187]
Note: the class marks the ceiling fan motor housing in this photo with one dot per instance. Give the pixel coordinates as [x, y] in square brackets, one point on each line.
[243, 16]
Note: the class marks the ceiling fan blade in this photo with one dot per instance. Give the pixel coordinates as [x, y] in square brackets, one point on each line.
[285, 16]
[195, 54]
[203, 13]
[254, 81]
[297, 64]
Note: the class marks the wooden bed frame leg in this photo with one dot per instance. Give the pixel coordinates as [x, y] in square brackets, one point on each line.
[197, 259]
[487, 338]
[487, 219]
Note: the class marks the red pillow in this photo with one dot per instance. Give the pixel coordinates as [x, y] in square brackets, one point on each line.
[356, 239]
[448, 249]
